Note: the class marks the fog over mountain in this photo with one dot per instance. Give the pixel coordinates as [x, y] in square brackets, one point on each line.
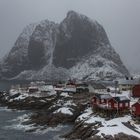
[77, 48]
[119, 18]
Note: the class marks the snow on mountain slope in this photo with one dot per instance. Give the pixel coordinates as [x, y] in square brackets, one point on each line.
[21, 45]
[46, 73]
[96, 67]
[17, 59]
[77, 48]
[42, 43]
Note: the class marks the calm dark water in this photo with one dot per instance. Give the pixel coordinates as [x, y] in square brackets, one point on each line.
[6, 85]
[9, 125]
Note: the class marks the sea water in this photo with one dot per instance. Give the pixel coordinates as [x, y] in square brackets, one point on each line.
[12, 129]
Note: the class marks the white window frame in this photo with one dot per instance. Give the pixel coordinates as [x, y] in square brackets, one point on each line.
[120, 104]
[109, 104]
[116, 105]
[98, 101]
[133, 108]
[102, 100]
[127, 104]
[93, 99]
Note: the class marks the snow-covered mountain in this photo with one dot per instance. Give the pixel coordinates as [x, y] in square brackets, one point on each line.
[77, 48]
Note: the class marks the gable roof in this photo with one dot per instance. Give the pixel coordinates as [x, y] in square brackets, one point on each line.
[82, 85]
[128, 82]
[136, 86]
[121, 99]
[98, 86]
[103, 96]
[137, 103]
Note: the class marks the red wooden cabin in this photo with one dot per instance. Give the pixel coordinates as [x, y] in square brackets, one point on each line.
[119, 103]
[100, 100]
[136, 91]
[136, 109]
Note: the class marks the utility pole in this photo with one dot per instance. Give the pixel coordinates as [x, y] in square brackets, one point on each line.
[116, 85]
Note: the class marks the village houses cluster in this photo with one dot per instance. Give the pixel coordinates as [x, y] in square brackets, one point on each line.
[122, 96]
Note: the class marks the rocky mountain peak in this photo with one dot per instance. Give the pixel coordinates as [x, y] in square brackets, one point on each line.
[72, 14]
[78, 36]
[42, 44]
[75, 15]
[77, 48]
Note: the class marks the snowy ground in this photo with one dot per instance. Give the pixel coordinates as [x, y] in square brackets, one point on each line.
[64, 110]
[110, 127]
[65, 105]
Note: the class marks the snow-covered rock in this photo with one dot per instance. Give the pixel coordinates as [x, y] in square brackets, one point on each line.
[64, 110]
[108, 127]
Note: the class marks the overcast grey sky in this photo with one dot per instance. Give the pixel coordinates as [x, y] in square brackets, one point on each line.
[120, 18]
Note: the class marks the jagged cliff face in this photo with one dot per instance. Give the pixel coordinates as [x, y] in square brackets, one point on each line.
[17, 59]
[78, 36]
[76, 48]
[42, 44]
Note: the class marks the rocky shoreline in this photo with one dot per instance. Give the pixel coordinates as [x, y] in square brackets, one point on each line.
[60, 109]
[83, 131]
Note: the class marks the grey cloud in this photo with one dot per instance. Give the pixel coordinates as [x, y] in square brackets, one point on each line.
[120, 19]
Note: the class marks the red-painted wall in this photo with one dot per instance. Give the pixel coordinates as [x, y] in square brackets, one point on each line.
[93, 100]
[137, 109]
[136, 91]
[112, 103]
[115, 105]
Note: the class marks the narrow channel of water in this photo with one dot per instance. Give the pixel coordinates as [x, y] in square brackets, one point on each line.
[10, 128]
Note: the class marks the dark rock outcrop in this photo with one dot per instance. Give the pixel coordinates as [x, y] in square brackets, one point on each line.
[78, 36]
[44, 114]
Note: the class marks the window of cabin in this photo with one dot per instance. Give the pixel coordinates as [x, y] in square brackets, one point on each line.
[93, 100]
[126, 104]
[109, 104]
[102, 101]
[121, 105]
[134, 108]
[98, 101]
[115, 105]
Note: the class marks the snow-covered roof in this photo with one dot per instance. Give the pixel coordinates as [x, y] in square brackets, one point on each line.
[121, 99]
[103, 96]
[138, 102]
[33, 87]
[98, 86]
[128, 82]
